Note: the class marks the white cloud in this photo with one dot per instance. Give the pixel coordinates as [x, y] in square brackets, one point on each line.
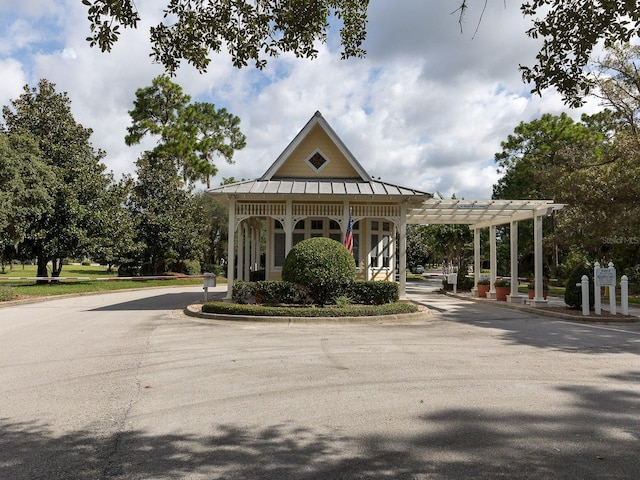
[427, 108]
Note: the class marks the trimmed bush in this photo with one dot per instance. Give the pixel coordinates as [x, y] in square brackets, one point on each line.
[6, 293]
[259, 310]
[322, 265]
[573, 293]
[242, 292]
[278, 292]
[373, 293]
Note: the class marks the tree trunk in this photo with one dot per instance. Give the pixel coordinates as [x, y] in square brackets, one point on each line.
[57, 267]
[42, 269]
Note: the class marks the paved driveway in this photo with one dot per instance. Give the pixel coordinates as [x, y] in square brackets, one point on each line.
[124, 386]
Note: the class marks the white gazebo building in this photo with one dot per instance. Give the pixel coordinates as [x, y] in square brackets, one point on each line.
[316, 182]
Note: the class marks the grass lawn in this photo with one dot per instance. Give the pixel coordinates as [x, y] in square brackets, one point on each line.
[26, 289]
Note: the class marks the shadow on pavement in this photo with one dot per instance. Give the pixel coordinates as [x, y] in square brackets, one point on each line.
[596, 437]
[523, 328]
[167, 301]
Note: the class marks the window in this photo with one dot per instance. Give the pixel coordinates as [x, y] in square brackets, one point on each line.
[381, 244]
[278, 249]
[374, 250]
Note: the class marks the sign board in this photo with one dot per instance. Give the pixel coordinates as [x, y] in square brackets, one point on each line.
[452, 278]
[606, 277]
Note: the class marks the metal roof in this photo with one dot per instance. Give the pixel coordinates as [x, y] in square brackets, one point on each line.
[324, 186]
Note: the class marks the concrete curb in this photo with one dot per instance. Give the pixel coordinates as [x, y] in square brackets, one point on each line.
[192, 311]
[542, 312]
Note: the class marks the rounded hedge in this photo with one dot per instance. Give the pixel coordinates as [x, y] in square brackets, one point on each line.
[322, 265]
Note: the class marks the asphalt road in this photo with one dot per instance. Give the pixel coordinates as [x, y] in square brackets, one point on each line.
[124, 386]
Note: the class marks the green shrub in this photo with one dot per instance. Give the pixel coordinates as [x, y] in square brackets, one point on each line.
[373, 293]
[258, 275]
[465, 284]
[242, 292]
[6, 293]
[322, 265]
[217, 270]
[573, 293]
[277, 292]
[86, 263]
[191, 267]
[260, 310]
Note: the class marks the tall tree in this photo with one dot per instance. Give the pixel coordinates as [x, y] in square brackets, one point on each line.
[168, 222]
[113, 241]
[588, 167]
[78, 181]
[191, 134]
[24, 198]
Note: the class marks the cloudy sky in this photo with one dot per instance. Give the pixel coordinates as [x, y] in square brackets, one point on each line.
[427, 108]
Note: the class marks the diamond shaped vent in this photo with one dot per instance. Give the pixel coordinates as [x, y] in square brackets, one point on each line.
[317, 161]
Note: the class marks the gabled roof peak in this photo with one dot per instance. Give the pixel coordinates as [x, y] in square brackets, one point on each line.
[316, 120]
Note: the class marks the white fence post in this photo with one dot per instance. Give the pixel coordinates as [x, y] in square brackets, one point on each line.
[596, 289]
[585, 295]
[624, 295]
[612, 292]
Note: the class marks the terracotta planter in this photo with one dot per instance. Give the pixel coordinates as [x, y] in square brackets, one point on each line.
[502, 292]
[482, 291]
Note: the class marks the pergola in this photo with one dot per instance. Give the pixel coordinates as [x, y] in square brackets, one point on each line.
[490, 214]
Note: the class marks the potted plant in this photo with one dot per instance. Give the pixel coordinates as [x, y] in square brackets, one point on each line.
[531, 290]
[483, 288]
[503, 288]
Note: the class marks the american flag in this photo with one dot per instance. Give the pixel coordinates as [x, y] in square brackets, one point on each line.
[348, 238]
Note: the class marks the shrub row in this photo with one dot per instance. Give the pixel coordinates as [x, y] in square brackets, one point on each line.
[260, 310]
[281, 292]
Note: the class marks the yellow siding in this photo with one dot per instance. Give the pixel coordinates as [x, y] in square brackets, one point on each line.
[297, 167]
[275, 276]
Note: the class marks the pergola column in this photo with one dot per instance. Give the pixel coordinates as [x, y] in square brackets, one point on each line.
[288, 228]
[240, 254]
[258, 240]
[247, 237]
[231, 248]
[493, 260]
[476, 260]
[514, 297]
[403, 252]
[538, 300]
